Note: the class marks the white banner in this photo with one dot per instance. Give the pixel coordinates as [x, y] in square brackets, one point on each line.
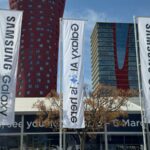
[144, 44]
[72, 41]
[10, 30]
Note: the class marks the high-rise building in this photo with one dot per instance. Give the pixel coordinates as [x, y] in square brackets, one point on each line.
[37, 68]
[113, 55]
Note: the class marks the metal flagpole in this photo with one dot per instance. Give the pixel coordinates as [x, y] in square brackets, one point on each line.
[139, 83]
[22, 128]
[60, 96]
[147, 130]
[64, 140]
[106, 136]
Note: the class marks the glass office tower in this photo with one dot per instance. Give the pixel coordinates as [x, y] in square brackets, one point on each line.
[113, 55]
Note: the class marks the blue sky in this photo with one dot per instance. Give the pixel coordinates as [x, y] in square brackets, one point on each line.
[100, 11]
[113, 10]
[103, 11]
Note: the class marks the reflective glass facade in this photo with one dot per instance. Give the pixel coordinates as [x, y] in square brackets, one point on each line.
[113, 55]
[24, 134]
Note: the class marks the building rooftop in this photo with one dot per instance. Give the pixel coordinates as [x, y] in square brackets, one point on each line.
[25, 105]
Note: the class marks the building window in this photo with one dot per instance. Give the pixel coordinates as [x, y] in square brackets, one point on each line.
[41, 34]
[48, 29]
[36, 86]
[29, 23]
[22, 69]
[41, 45]
[49, 46]
[39, 6]
[29, 80]
[22, 47]
[37, 62]
[31, 63]
[41, 17]
[47, 75]
[48, 81]
[19, 93]
[19, 76]
[22, 52]
[20, 86]
[38, 74]
[47, 63]
[39, 40]
[48, 41]
[29, 74]
[41, 93]
[38, 51]
[20, 81]
[21, 64]
[46, 86]
[40, 29]
[41, 68]
[31, 45]
[31, 68]
[31, 17]
[30, 57]
[28, 92]
[30, 6]
[39, 23]
[52, 7]
[39, 56]
[31, 11]
[38, 80]
[29, 86]
[51, 19]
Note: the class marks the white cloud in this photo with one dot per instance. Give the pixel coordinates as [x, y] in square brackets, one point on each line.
[92, 17]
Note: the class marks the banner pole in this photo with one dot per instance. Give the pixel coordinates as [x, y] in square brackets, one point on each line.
[139, 83]
[60, 95]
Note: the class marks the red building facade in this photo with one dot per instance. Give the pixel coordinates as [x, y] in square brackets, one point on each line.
[37, 68]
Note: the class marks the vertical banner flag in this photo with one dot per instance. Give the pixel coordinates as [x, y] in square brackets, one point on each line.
[10, 30]
[72, 41]
[144, 45]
